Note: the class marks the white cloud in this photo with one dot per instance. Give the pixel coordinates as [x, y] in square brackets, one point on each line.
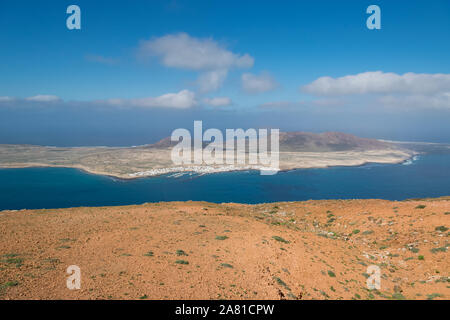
[43, 98]
[211, 80]
[186, 52]
[180, 100]
[391, 90]
[217, 101]
[379, 82]
[263, 82]
[204, 55]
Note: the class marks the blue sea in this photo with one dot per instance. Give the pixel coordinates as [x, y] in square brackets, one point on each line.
[31, 188]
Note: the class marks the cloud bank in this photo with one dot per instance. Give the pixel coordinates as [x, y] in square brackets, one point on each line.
[180, 100]
[43, 98]
[409, 90]
[380, 82]
[183, 99]
[6, 99]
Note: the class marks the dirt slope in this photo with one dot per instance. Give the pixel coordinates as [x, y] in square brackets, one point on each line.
[197, 250]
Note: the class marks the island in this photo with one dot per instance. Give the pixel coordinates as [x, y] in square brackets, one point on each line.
[297, 150]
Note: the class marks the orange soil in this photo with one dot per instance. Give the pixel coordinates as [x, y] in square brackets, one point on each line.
[324, 257]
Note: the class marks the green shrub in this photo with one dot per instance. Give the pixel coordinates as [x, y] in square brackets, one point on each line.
[181, 253]
[221, 237]
[441, 228]
[441, 249]
[282, 283]
[398, 296]
[10, 284]
[280, 239]
[433, 295]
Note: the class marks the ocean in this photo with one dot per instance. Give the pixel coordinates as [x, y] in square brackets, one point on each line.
[427, 175]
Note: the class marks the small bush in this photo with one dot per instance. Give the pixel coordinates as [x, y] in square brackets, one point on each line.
[421, 206]
[17, 261]
[441, 228]
[182, 262]
[282, 283]
[398, 296]
[433, 295]
[441, 249]
[221, 237]
[13, 260]
[181, 253]
[10, 284]
[280, 239]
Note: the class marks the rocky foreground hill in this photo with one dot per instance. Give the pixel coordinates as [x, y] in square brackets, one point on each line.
[198, 250]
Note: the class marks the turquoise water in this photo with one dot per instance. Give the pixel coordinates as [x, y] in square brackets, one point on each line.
[31, 188]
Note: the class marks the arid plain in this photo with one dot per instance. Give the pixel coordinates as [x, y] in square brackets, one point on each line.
[199, 250]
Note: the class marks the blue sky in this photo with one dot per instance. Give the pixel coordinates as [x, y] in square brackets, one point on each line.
[131, 74]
